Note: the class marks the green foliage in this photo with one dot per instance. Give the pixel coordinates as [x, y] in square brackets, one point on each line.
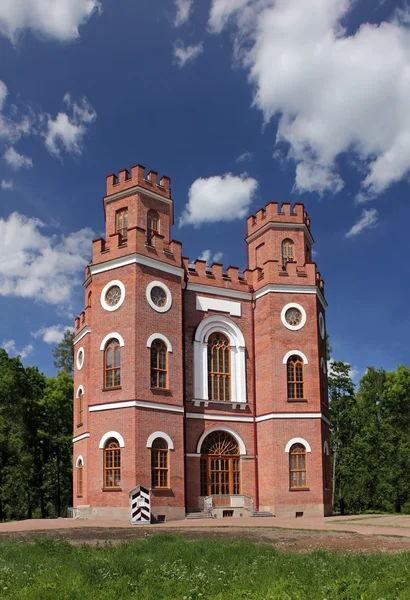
[169, 567]
[63, 353]
[35, 441]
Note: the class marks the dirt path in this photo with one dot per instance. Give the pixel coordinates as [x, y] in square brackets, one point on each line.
[285, 540]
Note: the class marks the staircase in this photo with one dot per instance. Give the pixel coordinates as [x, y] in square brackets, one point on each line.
[262, 513]
[198, 515]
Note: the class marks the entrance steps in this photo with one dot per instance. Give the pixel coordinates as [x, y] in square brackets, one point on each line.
[198, 515]
[262, 513]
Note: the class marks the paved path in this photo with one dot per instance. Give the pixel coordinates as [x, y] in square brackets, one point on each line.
[396, 525]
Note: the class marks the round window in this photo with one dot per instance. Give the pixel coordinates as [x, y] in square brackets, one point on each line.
[113, 295]
[293, 316]
[159, 296]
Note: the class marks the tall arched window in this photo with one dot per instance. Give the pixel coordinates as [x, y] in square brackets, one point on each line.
[80, 408]
[297, 466]
[220, 464]
[159, 356]
[295, 370]
[219, 367]
[159, 463]
[80, 477]
[121, 224]
[112, 364]
[287, 252]
[152, 224]
[89, 298]
[112, 464]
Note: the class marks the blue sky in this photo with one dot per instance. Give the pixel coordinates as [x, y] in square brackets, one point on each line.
[240, 102]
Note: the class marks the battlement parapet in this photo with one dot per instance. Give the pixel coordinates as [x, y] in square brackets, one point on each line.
[272, 272]
[273, 214]
[125, 180]
[215, 275]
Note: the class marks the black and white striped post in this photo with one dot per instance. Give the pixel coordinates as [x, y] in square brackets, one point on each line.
[140, 506]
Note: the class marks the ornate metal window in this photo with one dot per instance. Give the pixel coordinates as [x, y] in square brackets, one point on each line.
[113, 295]
[219, 367]
[158, 296]
[297, 466]
[220, 465]
[293, 316]
[121, 224]
[295, 369]
[159, 356]
[112, 364]
[80, 478]
[159, 463]
[112, 464]
[152, 224]
[287, 252]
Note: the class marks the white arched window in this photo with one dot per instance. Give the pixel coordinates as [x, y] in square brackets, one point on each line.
[237, 378]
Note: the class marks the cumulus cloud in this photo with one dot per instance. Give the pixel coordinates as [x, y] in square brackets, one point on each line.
[207, 256]
[53, 334]
[59, 19]
[10, 347]
[368, 219]
[37, 266]
[6, 184]
[244, 156]
[332, 92]
[67, 131]
[220, 198]
[17, 161]
[354, 372]
[183, 8]
[184, 54]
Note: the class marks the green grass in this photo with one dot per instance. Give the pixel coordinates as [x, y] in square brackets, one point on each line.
[167, 566]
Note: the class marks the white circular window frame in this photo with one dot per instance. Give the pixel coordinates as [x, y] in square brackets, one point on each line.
[168, 304]
[80, 363]
[105, 289]
[283, 316]
[322, 326]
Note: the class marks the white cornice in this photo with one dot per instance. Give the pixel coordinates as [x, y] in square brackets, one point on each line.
[81, 334]
[291, 289]
[211, 417]
[285, 226]
[131, 259]
[83, 436]
[134, 404]
[136, 189]
[310, 415]
[240, 419]
[218, 291]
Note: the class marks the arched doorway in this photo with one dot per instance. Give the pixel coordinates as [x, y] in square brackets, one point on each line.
[220, 465]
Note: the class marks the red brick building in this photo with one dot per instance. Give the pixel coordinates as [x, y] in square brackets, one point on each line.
[207, 386]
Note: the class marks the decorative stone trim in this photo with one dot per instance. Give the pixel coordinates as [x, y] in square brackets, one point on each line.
[160, 434]
[294, 353]
[159, 336]
[80, 358]
[297, 440]
[104, 293]
[283, 314]
[112, 434]
[114, 335]
[79, 389]
[322, 328]
[79, 458]
[241, 444]
[168, 304]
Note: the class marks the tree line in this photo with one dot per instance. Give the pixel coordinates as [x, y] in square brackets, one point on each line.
[36, 416]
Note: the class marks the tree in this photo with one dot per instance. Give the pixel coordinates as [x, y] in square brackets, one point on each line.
[63, 353]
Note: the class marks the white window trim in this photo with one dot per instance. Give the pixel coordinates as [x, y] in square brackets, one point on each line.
[283, 313]
[112, 434]
[209, 325]
[78, 460]
[241, 444]
[323, 364]
[109, 336]
[297, 440]
[160, 434]
[159, 336]
[294, 353]
[326, 448]
[80, 389]
[322, 328]
[80, 364]
[168, 304]
[104, 293]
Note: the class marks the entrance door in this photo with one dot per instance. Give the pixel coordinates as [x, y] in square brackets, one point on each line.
[220, 466]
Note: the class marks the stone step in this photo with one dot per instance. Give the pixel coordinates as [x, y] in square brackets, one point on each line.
[263, 514]
[198, 515]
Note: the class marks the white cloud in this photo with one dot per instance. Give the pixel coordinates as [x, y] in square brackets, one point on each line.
[17, 161]
[3, 94]
[368, 219]
[56, 19]
[219, 198]
[206, 255]
[68, 131]
[354, 372]
[6, 184]
[34, 265]
[332, 92]
[10, 347]
[183, 11]
[244, 156]
[184, 54]
[53, 334]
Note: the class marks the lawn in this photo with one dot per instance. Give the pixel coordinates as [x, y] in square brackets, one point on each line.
[167, 566]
